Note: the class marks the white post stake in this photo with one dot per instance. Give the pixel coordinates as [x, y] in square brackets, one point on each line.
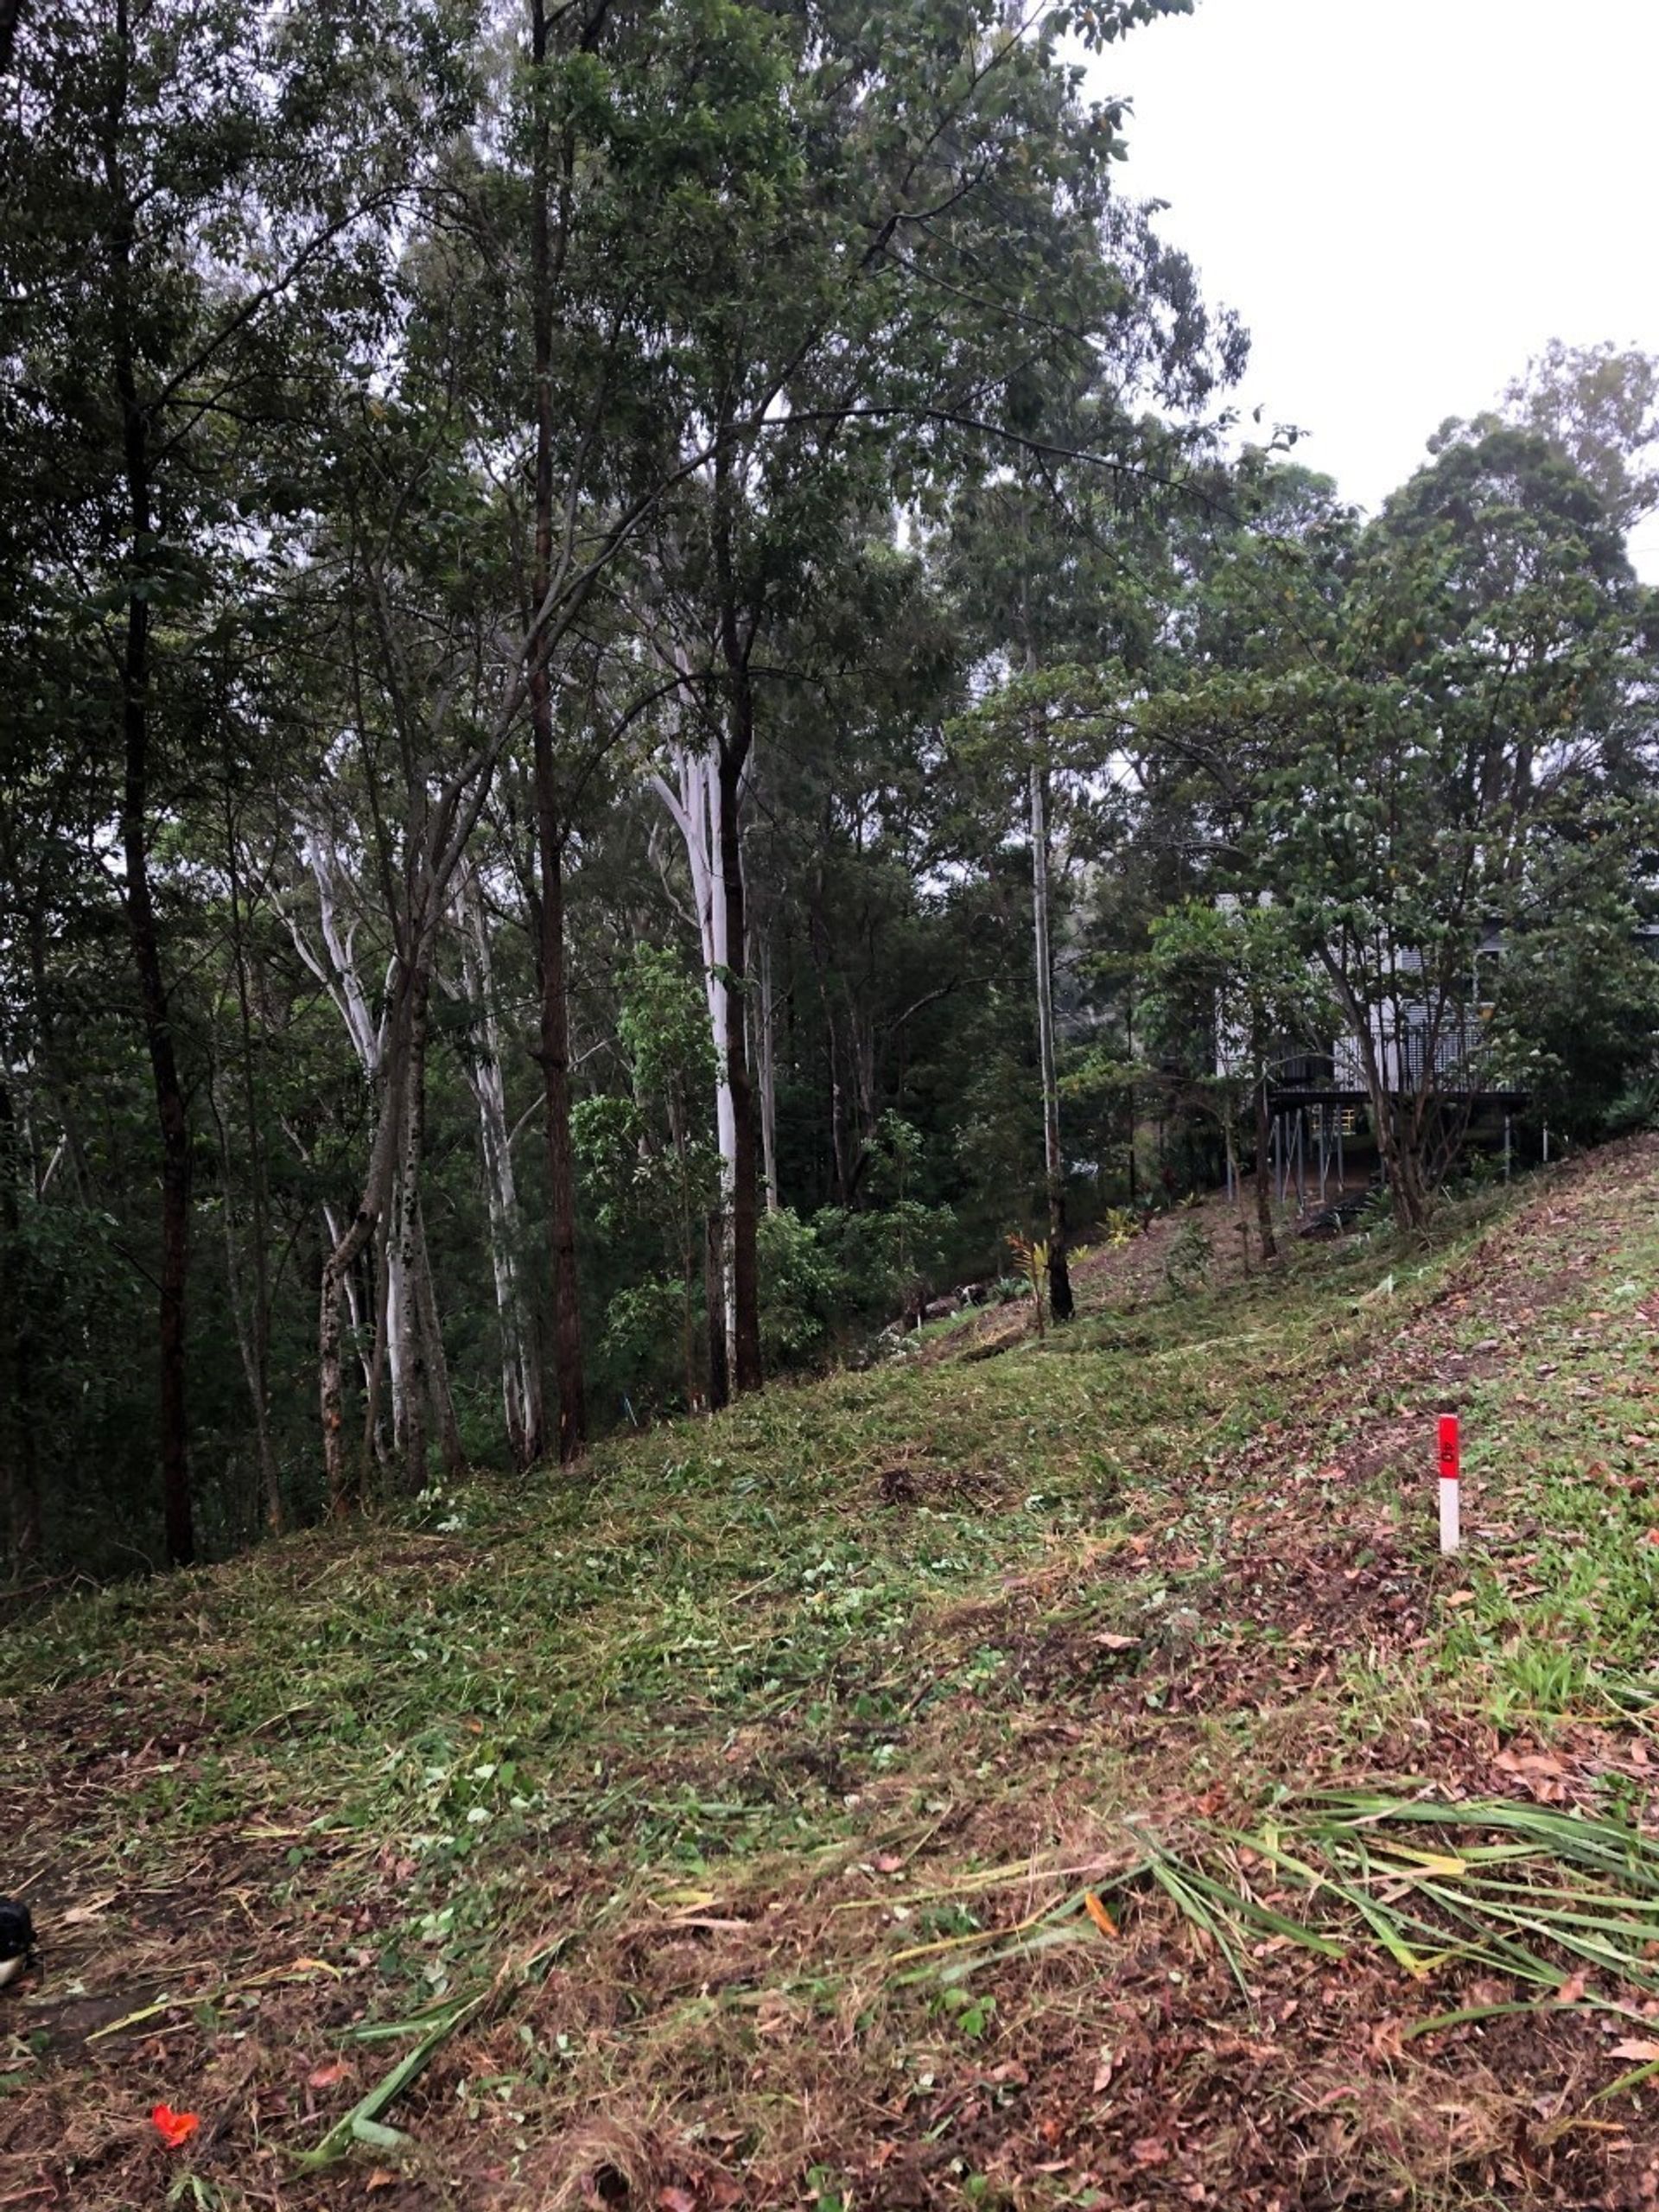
[1450, 1484]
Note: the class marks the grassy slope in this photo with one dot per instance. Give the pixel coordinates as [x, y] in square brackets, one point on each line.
[748, 1798]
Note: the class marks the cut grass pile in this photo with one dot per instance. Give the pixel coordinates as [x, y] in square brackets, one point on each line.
[1063, 1777]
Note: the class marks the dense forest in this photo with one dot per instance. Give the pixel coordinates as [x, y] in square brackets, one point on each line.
[654, 709]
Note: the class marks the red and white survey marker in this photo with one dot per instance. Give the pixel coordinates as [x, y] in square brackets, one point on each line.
[1450, 1467]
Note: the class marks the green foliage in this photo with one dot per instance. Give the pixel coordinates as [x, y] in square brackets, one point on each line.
[1190, 1256]
[1635, 1108]
[1577, 1010]
[882, 1259]
[801, 1296]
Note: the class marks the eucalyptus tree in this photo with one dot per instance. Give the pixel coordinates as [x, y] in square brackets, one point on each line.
[1062, 570]
[414, 695]
[193, 192]
[878, 320]
[598, 193]
[1599, 405]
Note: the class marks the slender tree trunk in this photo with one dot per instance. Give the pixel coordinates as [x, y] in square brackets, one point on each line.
[1059, 1275]
[549, 829]
[253, 1324]
[440, 1396]
[521, 1386]
[383, 1427]
[172, 1114]
[343, 1472]
[744, 1212]
[425, 1369]
[412, 1440]
[50, 1061]
[693, 801]
[393, 1322]
[767, 1025]
[20, 1473]
[354, 1305]
[555, 1056]
[250, 1310]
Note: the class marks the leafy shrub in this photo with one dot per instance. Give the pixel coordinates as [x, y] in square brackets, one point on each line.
[1636, 1108]
[797, 1290]
[880, 1261]
[1191, 1253]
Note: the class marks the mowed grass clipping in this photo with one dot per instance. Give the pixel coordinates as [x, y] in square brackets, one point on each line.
[1066, 1776]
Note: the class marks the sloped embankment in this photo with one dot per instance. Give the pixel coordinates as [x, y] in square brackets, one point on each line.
[1071, 1778]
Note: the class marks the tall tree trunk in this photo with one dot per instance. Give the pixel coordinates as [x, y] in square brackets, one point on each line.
[411, 1435]
[171, 1112]
[1059, 1275]
[767, 1041]
[555, 1056]
[549, 829]
[425, 1369]
[744, 1212]
[250, 1312]
[20, 1473]
[521, 1382]
[253, 1313]
[440, 1397]
[381, 1349]
[693, 802]
[343, 1472]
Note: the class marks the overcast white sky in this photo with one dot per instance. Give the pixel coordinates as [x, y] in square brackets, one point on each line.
[1404, 200]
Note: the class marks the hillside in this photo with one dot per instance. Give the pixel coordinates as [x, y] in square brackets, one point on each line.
[1066, 1777]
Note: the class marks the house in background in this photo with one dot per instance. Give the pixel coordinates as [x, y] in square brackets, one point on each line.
[1428, 1056]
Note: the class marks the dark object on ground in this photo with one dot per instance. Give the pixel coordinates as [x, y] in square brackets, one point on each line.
[1331, 1220]
[16, 1940]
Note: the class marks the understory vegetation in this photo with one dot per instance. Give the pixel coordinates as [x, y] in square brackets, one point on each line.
[1040, 1771]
